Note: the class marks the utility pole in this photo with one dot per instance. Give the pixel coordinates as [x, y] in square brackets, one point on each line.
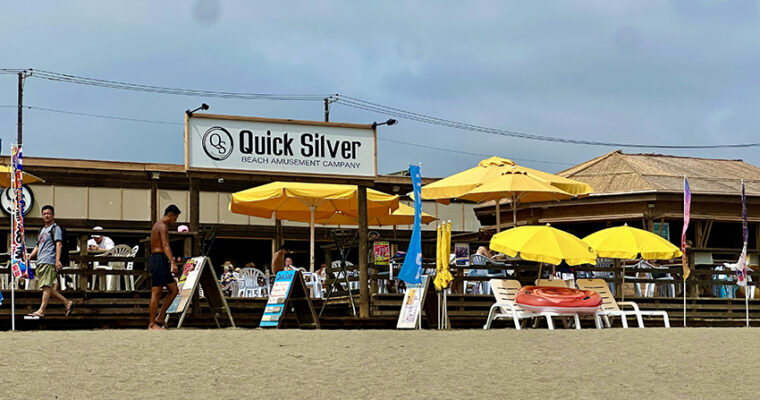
[20, 104]
[327, 110]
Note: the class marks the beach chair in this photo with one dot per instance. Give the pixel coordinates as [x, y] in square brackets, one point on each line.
[612, 308]
[505, 290]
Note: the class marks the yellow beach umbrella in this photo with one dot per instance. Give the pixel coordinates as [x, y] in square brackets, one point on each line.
[5, 177]
[403, 215]
[518, 187]
[545, 244]
[305, 202]
[491, 169]
[628, 243]
[443, 275]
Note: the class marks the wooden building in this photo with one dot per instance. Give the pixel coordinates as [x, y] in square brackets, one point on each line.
[125, 198]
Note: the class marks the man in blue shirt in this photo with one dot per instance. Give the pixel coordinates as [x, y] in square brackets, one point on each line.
[48, 253]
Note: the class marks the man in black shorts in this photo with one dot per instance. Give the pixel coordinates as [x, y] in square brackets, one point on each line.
[162, 267]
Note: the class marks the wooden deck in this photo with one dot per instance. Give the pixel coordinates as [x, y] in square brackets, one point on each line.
[118, 310]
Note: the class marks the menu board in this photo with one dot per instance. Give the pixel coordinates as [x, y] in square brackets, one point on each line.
[186, 284]
[278, 296]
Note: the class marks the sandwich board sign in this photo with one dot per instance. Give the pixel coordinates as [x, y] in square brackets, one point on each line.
[289, 294]
[198, 273]
[411, 309]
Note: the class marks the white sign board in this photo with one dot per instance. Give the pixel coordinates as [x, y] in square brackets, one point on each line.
[411, 308]
[217, 142]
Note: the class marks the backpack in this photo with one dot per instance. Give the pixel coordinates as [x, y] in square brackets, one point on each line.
[68, 244]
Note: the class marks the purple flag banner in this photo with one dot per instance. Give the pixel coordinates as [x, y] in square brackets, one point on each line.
[686, 217]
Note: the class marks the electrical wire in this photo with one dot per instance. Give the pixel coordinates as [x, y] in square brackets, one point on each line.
[353, 102]
[396, 112]
[120, 118]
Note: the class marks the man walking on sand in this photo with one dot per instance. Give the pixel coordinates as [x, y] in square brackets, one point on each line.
[162, 267]
[48, 253]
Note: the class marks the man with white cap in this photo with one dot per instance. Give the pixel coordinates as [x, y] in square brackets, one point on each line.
[99, 242]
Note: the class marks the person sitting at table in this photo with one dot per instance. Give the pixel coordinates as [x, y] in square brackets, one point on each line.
[99, 242]
[226, 280]
[289, 264]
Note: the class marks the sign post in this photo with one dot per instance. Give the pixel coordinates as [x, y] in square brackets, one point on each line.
[198, 273]
[289, 294]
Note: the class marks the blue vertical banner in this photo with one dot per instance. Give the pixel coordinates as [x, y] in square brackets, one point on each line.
[411, 270]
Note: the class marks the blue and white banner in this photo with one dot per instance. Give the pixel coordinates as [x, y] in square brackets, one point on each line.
[411, 270]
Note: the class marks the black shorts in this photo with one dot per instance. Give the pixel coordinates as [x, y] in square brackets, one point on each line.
[160, 270]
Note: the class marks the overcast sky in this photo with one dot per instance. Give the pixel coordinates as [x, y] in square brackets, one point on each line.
[650, 72]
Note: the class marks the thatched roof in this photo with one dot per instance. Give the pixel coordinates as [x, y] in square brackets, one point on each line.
[617, 172]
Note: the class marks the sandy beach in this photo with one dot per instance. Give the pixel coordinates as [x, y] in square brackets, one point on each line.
[650, 363]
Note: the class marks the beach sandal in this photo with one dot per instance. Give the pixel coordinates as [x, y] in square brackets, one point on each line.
[33, 315]
[69, 309]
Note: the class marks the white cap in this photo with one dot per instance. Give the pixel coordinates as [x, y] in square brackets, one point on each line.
[183, 228]
[97, 228]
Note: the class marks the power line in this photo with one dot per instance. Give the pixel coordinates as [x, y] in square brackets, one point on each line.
[119, 118]
[103, 116]
[354, 103]
[80, 80]
[396, 112]
[466, 152]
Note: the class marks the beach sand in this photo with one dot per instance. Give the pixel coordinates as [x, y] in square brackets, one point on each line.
[652, 363]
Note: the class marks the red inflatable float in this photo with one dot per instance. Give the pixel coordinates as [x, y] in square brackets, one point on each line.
[558, 299]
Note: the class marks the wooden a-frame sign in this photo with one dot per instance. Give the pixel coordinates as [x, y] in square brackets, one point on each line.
[199, 273]
[289, 295]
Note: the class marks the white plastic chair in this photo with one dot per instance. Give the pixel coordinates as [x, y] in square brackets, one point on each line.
[505, 291]
[129, 280]
[112, 281]
[246, 282]
[314, 283]
[260, 284]
[612, 308]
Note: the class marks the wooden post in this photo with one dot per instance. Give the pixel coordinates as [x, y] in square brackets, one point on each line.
[83, 265]
[363, 275]
[195, 201]
[278, 236]
[153, 201]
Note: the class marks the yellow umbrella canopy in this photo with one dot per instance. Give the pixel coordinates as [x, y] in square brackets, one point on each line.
[403, 215]
[458, 184]
[543, 244]
[519, 187]
[497, 169]
[5, 177]
[305, 202]
[628, 243]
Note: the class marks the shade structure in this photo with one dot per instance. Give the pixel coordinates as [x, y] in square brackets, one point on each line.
[5, 177]
[543, 243]
[403, 215]
[626, 242]
[306, 202]
[517, 186]
[491, 169]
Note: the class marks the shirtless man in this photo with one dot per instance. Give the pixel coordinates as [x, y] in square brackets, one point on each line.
[278, 259]
[162, 267]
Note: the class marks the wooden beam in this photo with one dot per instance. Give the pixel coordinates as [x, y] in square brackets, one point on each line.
[363, 267]
[195, 201]
[153, 201]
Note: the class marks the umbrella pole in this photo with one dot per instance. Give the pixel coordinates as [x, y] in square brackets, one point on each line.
[514, 212]
[311, 238]
[498, 216]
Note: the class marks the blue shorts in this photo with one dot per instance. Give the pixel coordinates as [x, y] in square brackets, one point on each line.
[160, 270]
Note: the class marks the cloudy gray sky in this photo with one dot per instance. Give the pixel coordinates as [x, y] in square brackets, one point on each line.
[652, 72]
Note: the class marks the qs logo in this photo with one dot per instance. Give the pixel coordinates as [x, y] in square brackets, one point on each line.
[217, 143]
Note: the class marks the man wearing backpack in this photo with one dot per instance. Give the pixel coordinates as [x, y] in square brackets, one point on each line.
[48, 253]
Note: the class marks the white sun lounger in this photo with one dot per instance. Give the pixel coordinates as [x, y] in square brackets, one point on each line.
[505, 290]
[612, 308]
